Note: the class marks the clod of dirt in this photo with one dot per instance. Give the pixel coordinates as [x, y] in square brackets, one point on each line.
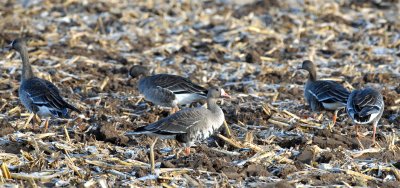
[280, 184]
[258, 7]
[306, 156]
[14, 147]
[333, 178]
[197, 161]
[287, 170]
[5, 128]
[5, 86]
[137, 70]
[167, 164]
[325, 157]
[256, 170]
[231, 172]
[292, 142]
[253, 57]
[326, 139]
[107, 132]
[140, 172]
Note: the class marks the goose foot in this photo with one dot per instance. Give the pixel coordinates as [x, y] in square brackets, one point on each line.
[373, 134]
[187, 151]
[332, 124]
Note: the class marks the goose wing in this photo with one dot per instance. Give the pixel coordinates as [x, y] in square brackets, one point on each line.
[43, 93]
[329, 92]
[177, 84]
[178, 123]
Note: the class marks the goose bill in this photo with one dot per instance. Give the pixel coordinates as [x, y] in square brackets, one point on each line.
[224, 94]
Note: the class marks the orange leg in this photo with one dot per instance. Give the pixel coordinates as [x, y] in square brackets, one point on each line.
[330, 125]
[334, 118]
[187, 151]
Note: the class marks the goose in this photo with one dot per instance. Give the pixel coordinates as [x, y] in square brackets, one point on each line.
[323, 94]
[365, 106]
[169, 90]
[189, 125]
[38, 95]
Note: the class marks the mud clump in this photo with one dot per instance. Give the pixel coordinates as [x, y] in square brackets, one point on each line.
[307, 156]
[107, 132]
[256, 170]
[5, 128]
[289, 169]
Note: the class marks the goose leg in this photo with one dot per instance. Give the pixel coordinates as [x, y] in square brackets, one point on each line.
[334, 119]
[187, 151]
[374, 132]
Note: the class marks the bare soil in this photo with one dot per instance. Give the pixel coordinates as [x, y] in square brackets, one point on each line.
[252, 49]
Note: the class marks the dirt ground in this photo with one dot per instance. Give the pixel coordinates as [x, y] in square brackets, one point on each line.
[251, 48]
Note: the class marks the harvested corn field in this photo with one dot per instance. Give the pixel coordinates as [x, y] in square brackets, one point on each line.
[252, 49]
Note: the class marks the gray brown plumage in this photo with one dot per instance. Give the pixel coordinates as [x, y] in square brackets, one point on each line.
[365, 106]
[189, 125]
[323, 94]
[38, 95]
[170, 90]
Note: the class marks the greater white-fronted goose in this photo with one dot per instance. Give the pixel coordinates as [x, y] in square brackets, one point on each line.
[170, 90]
[38, 95]
[191, 124]
[323, 94]
[366, 106]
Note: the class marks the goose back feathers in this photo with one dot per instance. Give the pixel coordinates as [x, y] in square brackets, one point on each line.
[365, 106]
[170, 90]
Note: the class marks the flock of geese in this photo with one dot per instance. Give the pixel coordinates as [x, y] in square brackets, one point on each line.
[190, 125]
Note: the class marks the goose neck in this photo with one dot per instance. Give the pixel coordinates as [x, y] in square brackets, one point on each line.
[26, 66]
